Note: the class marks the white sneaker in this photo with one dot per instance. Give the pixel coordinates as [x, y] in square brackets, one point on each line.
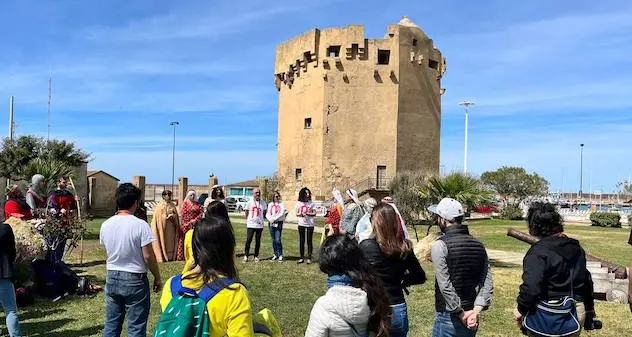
[274, 257]
[300, 261]
[245, 259]
[309, 261]
[256, 259]
[280, 258]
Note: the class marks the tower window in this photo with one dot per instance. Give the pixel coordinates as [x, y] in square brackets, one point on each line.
[333, 51]
[383, 56]
[308, 123]
[414, 42]
[433, 64]
[298, 174]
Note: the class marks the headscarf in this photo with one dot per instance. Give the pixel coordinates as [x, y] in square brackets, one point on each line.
[353, 194]
[189, 194]
[14, 192]
[36, 180]
[338, 197]
[391, 202]
[369, 204]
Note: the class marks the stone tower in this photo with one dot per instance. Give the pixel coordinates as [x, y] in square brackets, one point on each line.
[353, 112]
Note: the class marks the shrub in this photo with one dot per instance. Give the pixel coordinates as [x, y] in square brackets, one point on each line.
[605, 219]
[511, 212]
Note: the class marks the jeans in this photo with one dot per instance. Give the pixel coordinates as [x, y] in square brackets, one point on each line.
[399, 320]
[7, 299]
[126, 293]
[310, 245]
[448, 325]
[249, 235]
[275, 233]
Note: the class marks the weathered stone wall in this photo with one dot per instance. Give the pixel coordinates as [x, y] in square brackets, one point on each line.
[366, 110]
[102, 188]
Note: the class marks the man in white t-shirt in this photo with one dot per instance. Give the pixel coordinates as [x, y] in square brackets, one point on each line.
[255, 213]
[128, 243]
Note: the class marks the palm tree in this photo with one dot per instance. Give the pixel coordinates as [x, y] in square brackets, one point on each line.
[50, 169]
[468, 190]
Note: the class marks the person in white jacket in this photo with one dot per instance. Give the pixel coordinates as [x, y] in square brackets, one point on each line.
[356, 304]
[276, 215]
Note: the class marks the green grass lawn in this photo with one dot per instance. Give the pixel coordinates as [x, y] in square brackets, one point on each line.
[290, 289]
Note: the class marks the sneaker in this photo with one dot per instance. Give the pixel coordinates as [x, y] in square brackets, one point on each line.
[309, 261]
[280, 258]
[274, 257]
[256, 259]
[245, 259]
[300, 261]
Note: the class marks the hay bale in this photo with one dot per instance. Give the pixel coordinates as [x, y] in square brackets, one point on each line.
[423, 248]
[29, 244]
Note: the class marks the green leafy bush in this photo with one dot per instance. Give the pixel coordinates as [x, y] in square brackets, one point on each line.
[605, 219]
[511, 212]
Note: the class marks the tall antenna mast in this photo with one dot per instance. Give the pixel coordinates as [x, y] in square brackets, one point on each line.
[11, 121]
[50, 85]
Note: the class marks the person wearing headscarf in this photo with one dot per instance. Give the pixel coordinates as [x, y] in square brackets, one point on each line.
[16, 205]
[217, 194]
[191, 212]
[36, 194]
[352, 213]
[400, 219]
[165, 224]
[364, 230]
[334, 213]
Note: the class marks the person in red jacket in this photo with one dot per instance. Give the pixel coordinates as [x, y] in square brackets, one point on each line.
[16, 205]
[62, 200]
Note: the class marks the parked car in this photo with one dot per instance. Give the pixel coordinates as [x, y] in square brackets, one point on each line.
[242, 203]
[231, 204]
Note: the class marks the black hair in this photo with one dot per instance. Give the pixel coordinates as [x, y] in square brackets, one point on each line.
[217, 209]
[341, 255]
[214, 249]
[127, 195]
[165, 192]
[544, 219]
[217, 193]
[302, 195]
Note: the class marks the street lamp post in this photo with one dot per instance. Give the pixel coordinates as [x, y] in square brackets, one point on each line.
[466, 104]
[581, 171]
[173, 160]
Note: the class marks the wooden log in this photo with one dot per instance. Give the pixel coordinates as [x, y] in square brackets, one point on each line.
[620, 272]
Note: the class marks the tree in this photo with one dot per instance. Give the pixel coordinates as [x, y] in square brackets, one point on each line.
[22, 157]
[515, 184]
[414, 192]
[464, 188]
[267, 190]
[625, 187]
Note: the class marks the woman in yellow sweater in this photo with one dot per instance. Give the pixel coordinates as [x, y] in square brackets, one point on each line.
[230, 311]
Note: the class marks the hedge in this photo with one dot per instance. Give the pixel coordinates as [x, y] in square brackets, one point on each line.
[605, 219]
[511, 212]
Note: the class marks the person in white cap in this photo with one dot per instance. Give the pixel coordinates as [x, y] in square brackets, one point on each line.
[464, 283]
[352, 214]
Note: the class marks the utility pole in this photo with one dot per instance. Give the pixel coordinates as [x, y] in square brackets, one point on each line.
[50, 96]
[173, 161]
[466, 104]
[581, 171]
[11, 119]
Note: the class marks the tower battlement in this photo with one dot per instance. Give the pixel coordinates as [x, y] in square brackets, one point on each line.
[332, 48]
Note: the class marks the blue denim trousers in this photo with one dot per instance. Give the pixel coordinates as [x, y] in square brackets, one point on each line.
[7, 299]
[126, 293]
[448, 325]
[275, 233]
[399, 320]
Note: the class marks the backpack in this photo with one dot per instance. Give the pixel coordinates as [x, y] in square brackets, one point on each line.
[186, 314]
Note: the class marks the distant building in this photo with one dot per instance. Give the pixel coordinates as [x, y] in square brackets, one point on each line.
[101, 192]
[354, 112]
[241, 189]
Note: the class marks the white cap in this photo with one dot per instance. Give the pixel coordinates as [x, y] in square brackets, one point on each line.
[448, 209]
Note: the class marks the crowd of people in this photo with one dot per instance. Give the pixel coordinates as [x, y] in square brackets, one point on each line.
[366, 255]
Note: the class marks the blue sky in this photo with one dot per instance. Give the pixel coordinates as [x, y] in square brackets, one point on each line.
[545, 76]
